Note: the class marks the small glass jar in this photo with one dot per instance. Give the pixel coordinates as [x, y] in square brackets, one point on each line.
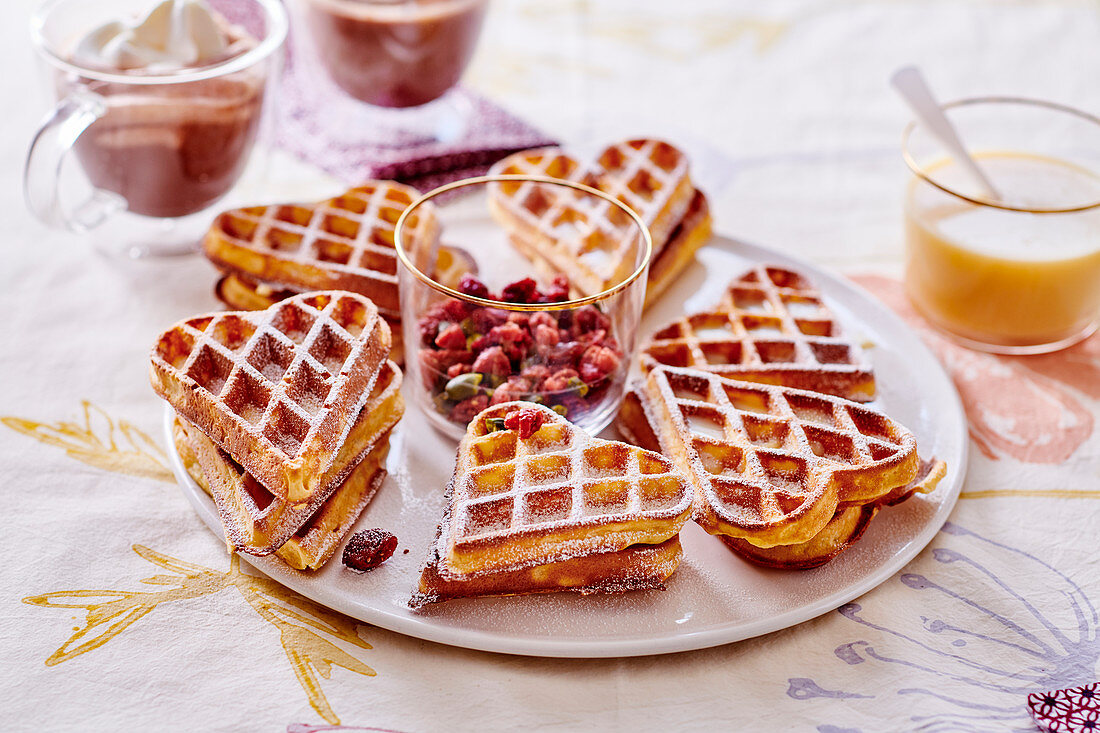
[547, 307]
[1019, 274]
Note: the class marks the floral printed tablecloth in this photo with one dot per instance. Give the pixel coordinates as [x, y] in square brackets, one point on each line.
[121, 609]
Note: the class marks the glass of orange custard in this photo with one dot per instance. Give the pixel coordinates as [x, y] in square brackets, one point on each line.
[1018, 273]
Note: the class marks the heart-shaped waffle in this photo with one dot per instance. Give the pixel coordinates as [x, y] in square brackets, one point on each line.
[258, 522]
[279, 389]
[771, 464]
[319, 529]
[589, 240]
[841, 532]
[771, 326]
[344, 243]
[548, 494]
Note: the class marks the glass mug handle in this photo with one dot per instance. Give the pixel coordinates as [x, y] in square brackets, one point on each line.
[42, 172]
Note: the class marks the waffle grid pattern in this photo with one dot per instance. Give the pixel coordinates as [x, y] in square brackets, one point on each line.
[766, 452]
[303, 537]
[560, 485]
[350, 236]
[770, 321]
[649, 176]
[254, 511]
[278, 370]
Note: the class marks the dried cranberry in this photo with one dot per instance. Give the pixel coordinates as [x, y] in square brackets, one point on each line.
[466, 410]
[456, 310]
[514, 389]
[558, 290]
[429, 328]
[434, 364]
[521, 291]
[559, 380]
[486, 319]
[542, 318]
[451, 338]
[589, 318]
[597, 363]
[470, 285]
[455, 369]
[368, 549]
[546, 335]
[493, 361]
[520, 319]
[565, 354]
[480, 344]
[525, 421]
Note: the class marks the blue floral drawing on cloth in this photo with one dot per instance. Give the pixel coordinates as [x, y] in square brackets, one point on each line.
[970, 648]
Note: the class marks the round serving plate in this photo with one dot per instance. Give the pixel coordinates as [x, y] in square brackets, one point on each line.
[715, 597]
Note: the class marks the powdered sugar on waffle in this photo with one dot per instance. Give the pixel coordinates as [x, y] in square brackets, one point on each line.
[278, 389]
[345, 242]
[590, 238]
[771, 326]
[780, 459]
[558, 495]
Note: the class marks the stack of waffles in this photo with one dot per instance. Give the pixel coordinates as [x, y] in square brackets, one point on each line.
[650, 176]
[763, 403]
[537, 505]
[283, 416]
[269, 253]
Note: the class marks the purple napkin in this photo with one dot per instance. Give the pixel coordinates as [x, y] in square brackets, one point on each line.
[308, 124]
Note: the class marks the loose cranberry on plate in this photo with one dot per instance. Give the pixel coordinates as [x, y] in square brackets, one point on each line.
[368, 549]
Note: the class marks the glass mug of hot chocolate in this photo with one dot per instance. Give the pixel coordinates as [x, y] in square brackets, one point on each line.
[161, 104]
[398, 60]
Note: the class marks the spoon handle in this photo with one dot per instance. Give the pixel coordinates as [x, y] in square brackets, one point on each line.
[910, 83]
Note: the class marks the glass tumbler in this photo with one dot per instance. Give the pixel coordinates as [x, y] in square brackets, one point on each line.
[547, 310]
[397, 61]
[1018, 273]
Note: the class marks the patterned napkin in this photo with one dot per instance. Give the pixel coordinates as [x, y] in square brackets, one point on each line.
[1072, 710]
[309, 125]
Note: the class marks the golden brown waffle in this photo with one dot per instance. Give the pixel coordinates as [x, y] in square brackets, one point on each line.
[842, 531]
[239, 292]
[258, 522]
[649, 176]
[773, 327]
[343, 243]
[311, 545]
[694, 230]
[638, 567]
[770, 464]
[559, 494]
[279, 390]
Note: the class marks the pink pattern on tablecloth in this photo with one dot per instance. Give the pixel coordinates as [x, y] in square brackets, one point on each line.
[1018, 407]
[1072, 710]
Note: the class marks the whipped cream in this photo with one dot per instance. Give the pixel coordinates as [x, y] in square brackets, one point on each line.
[177, 34]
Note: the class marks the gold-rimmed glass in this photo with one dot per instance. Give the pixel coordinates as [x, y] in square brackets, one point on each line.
[1018, 274]
[467, 349]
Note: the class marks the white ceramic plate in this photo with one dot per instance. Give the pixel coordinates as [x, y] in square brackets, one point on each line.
[715, 597]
